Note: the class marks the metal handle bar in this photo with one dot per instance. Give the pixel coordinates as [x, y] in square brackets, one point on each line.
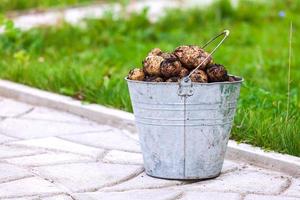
[225, 33]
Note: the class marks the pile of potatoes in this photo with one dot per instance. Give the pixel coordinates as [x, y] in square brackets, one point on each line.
[161, 66]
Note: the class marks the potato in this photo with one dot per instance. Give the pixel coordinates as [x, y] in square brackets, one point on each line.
[173, 79]
[170, 67]
[155, 52]
[136, 74]
[183, 72]
[154, 79]
[151, 65]
[199, 76]
[217, 73]
[191, 56]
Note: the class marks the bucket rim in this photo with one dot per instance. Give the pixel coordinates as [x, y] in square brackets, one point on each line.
[241, 80]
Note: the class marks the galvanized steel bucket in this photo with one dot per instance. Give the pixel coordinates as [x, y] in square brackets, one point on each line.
[184, 127]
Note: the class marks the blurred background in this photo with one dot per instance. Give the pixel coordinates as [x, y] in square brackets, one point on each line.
[85, 48]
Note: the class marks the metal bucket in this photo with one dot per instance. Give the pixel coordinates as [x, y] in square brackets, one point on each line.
[184, 137]
[184, 127]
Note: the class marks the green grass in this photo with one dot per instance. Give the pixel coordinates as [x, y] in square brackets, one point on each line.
[13, 5]
[92, 61]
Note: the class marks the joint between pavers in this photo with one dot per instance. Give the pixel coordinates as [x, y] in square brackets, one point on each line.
[32, 148]
[120, 163]
[17, 156]
[272, 195]
[3, 117]
[70, 195]
[127, 135]
[14, 137]
[65, 189]
[102, 156]
[82, 133]
[132, 176]
[65, 122]
[238, 168]
[39, 196]
[45, 149]
[52, 164]
[65, 163]
[286, 187]
[177, 197]
[169, 187]
[230, 191]
[16, 179]
[98, 147]
[24, 113]
[32, 195]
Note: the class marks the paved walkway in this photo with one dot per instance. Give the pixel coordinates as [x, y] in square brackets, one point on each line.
[74, 15]
[51, 155]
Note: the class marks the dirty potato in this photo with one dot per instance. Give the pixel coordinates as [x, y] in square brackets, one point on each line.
[183, 72]
[167, 55]
[199, 76]
[217, 73]
[154, 79]
[155, 52]
[136, 74]
[151, 65]
[192, 56]
[173, 79]
[170, 67]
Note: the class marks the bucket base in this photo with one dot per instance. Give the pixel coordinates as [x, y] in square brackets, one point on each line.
[187, 178]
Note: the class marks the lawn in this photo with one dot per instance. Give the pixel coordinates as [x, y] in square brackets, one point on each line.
[90, 62]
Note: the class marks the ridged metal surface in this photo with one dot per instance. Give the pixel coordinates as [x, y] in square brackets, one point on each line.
[184, 137]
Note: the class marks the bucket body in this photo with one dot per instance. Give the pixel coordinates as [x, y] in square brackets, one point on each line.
[184, 137]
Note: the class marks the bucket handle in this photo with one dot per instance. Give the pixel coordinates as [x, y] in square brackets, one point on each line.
[185, 85]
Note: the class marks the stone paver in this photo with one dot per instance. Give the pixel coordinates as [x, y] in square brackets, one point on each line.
[133, 135]
[11, 108]
[15, 151]
[58, 197]
[131, 195]
[121, 157]
[229, 166]
[143, 182]
[22, 128]
[28, 187]
[25, 198]
[294, 189]
[244, 181]
[46, 114]
[10, 172]
[51, 158]
[211, 196]
[5, 139]
[51, 197]
[267, 197]
[53, 143]
[52, 155]
[88, 176]
[113, 139]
